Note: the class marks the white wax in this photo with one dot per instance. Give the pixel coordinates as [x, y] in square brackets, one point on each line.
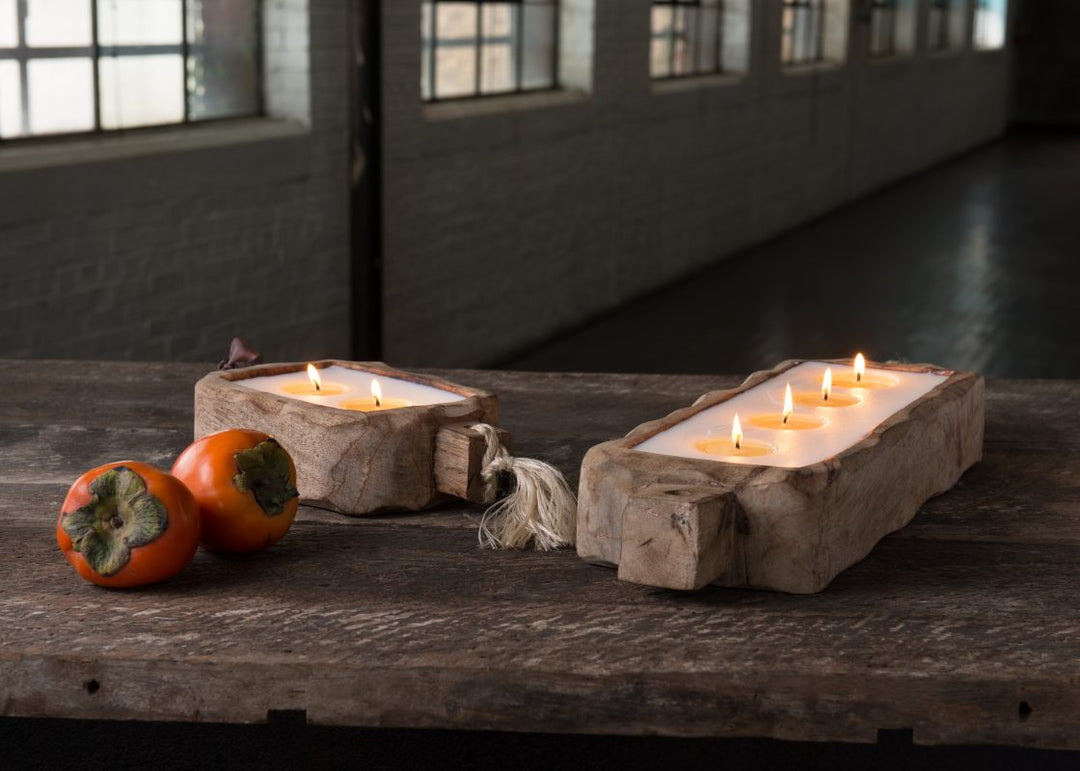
[357, 386]
[793, 449]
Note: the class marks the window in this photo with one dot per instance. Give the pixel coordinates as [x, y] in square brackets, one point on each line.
[687, 38]
[882, 27]
[480, 48]
[946, 25]
[990, 18]
[98, 65]
[937, 25]
[802, 32]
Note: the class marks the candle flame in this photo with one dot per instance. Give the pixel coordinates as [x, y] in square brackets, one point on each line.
[860, 367]
[376, 392]
[826, 384]
[789, 403]
[313, 376]
[736, 432]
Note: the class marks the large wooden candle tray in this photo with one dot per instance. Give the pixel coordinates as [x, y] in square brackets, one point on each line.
[685, 522]
[404, 459]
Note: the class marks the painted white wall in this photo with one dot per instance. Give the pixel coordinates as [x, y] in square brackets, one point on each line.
[507, 220]
[511, 219]
[163, 245]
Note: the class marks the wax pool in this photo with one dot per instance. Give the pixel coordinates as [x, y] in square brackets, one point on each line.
[354, 384]
[841, 428]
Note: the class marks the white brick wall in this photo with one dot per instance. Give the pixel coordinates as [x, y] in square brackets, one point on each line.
[501, 228]
[163, 246]
[504, 227]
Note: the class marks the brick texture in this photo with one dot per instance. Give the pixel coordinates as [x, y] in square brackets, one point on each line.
[167, 254]
[505, 227]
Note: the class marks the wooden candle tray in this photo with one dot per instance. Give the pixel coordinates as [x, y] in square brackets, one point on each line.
[683, 523]
[404, 459]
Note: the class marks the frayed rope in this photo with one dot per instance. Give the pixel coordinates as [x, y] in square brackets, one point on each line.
[541, 512]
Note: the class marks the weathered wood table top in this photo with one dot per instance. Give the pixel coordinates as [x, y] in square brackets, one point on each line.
[964, 626]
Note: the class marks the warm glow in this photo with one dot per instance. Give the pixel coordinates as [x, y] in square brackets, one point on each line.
[860, 367]
[376, 393]
[789, 404]
[736, 432]
[826, 384]
[313, 376]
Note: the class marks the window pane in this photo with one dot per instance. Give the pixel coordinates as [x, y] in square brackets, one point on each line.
[10, 100]
[787, 41]
[455, 51]
[425, 51]
[685, 37]
[135, 22]
[141, 90]
[497, 61]
[61, 95]
[9, 32]
[707, 48]
[660, 54]
[58, 23]
[935, 28]
[223, 64]
[990, 18]
[799, 34]
[538, 65]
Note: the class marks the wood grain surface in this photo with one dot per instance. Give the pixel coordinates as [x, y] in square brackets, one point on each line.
[946, 628]
[666, 522]
[356, 462]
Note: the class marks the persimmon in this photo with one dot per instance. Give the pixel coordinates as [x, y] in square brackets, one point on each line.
[128, 524]
[245, 486]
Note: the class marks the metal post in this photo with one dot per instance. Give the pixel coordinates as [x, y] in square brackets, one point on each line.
[365, 236]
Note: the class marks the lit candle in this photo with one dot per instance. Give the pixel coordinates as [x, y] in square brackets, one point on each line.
[376, 403]
[858, 377]
[737, 447]
[313, 386]
[826, 397]
[788, 420]
[338, 385]
[788, 446]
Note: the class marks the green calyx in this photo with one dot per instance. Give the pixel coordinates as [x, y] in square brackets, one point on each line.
[264, 472]
[120, 516]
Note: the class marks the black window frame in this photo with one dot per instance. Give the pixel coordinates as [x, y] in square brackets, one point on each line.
[812, 7]
[885, 13]
[429, 39]
[944, 10]
[697, 71]
[23, 54]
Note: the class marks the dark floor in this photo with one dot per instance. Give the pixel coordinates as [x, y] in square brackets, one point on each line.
[28, 743]
[973, 265]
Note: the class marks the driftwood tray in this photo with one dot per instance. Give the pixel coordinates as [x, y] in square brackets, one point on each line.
[404, 459]
[683, 523]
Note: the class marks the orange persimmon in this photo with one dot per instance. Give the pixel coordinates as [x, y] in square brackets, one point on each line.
[245, 485]
[128, 524]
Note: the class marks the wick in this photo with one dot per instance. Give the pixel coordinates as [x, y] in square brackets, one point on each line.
[318, 387]
[825, 397]
[786, 417]
[738, 444]
[858, 377]
[377, 402]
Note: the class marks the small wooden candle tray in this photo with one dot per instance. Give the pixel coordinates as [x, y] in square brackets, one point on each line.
[683, 523]
[404, 459]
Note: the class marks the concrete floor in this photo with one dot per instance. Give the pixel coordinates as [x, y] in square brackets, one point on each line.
[972, 265]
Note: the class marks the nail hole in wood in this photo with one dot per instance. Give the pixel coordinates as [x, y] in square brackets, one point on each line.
[1024, 711]
[92, 686]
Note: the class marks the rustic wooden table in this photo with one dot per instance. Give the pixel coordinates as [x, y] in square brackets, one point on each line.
[964, 626]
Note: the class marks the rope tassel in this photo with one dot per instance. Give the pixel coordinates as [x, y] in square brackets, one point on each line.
[540, 513]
